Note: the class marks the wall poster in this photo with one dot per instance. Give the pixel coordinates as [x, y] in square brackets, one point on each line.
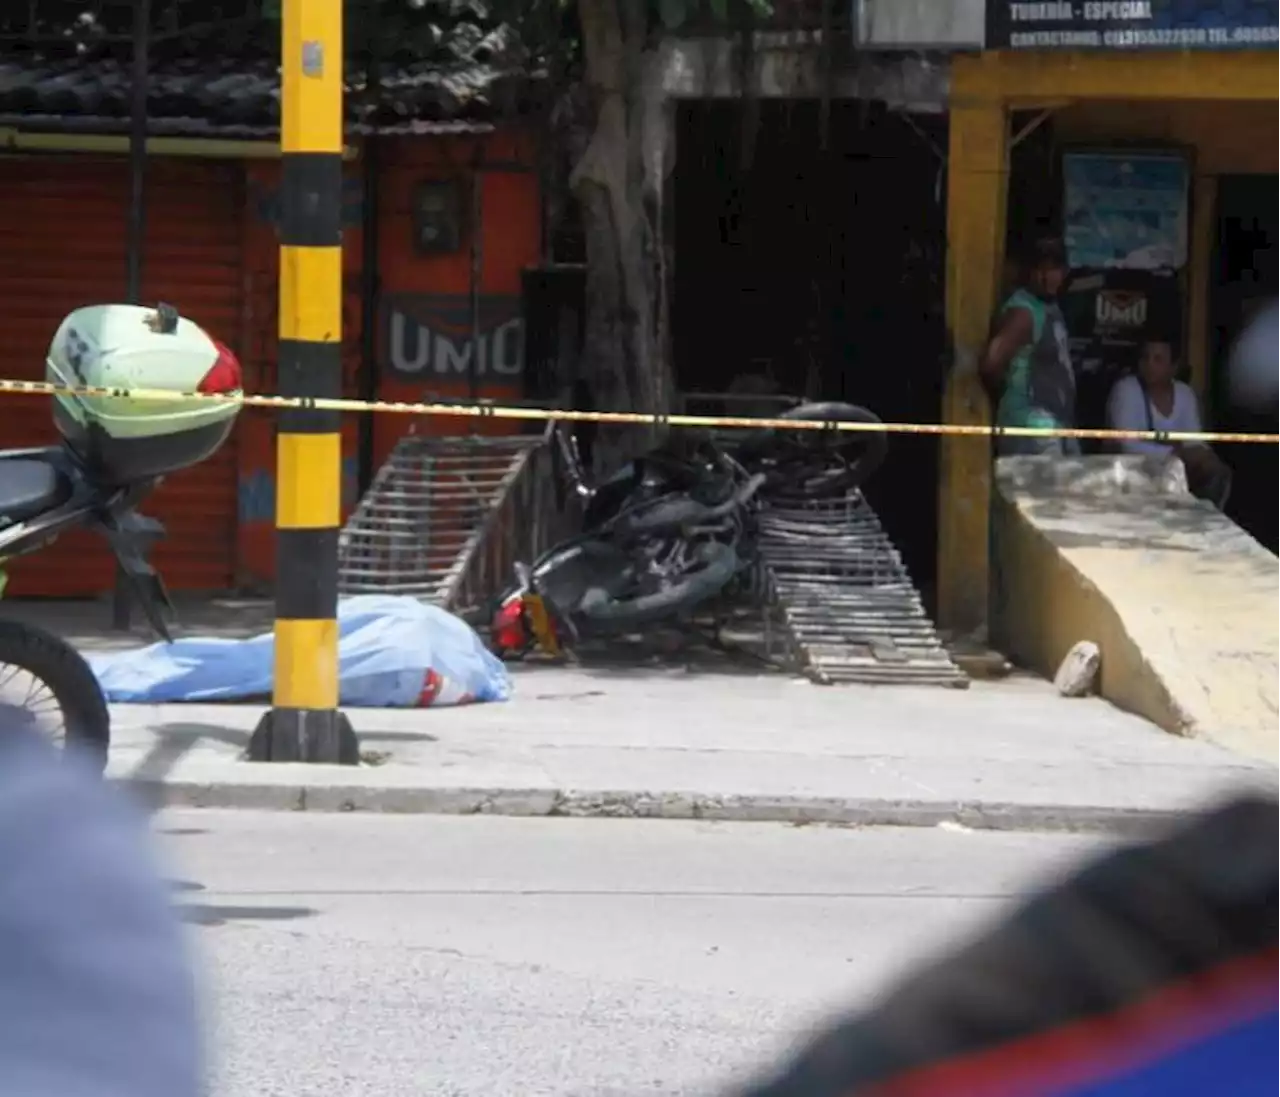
[1126, 210]
[1125, 227]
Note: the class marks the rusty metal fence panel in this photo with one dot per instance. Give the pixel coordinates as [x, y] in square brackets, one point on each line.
[840, 598]
[446, 519]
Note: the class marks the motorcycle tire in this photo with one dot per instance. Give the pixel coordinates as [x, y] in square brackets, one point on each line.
[64, 672]
[606, 613]
[839, 481]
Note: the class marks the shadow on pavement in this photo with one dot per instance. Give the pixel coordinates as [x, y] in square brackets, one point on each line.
[663, 652]
[212, 914]
[185, 885]
[182, 735]
[375, 735]
[173, 742]
[218, 914]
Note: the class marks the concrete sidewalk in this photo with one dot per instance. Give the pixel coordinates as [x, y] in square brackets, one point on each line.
[652, 743]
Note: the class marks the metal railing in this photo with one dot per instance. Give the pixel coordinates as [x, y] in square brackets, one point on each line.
[422, 511]
[446, 519]
[527, 516]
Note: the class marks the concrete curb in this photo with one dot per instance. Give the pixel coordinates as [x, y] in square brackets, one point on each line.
[581, 803]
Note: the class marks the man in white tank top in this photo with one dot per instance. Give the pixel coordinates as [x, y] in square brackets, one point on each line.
[1153, 399]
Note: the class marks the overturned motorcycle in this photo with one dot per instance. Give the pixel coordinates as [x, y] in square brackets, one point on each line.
[674, 530]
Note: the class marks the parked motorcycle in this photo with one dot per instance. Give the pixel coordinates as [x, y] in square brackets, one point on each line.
[670, 531]
[115, 450]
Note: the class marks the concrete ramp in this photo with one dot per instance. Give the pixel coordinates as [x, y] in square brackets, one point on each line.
[1182, 603]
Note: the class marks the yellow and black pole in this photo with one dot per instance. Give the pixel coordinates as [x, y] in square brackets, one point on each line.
[305, 723]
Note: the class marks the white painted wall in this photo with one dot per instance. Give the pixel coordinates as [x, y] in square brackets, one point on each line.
[698, 68]
[920, 24]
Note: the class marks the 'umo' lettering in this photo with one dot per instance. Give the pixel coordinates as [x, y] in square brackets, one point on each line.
[415, 348]
[1122, 310]
[1041, 13]
[1105, 11]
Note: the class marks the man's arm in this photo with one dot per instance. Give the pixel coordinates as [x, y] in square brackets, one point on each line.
[1127, 410]
[1013, 332]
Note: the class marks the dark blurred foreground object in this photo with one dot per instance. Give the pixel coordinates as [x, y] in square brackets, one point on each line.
[96, 996]
[1253, 361]
[1149, 972]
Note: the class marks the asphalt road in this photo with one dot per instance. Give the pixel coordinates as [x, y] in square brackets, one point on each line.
[347, 955]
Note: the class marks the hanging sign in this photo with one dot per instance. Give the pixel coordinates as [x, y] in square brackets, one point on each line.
[1132, 24]
[1110, 314]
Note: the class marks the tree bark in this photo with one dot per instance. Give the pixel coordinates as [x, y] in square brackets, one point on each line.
[619, 186]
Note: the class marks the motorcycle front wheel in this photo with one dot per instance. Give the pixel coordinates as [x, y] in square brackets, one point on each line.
[714, 564]
[50, 682]
[813, 464]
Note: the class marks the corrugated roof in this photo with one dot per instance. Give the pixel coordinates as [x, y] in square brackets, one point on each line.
[199, 127]
[461, 77]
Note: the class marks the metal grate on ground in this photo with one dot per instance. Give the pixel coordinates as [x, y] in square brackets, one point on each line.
[425, 512]
[840, 599]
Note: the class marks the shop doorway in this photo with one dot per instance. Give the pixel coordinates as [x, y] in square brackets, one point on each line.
[815, 259]
[1244, 277]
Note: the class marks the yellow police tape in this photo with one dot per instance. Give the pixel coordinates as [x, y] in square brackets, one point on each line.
[486, 410]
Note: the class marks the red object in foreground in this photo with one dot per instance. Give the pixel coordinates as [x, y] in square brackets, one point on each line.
[507, 629]
[225, 374]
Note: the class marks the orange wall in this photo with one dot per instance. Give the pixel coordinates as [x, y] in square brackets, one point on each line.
[510, 241]
[510, 238]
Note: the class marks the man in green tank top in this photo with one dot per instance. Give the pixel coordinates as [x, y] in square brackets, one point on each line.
[1028, 360]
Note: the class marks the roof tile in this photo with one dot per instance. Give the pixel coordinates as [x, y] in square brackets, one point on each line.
[474, 76]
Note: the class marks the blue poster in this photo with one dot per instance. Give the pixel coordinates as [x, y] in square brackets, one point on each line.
[1125, 211]
[1132, 24]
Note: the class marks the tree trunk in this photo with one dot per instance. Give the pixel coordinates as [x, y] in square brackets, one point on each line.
[619, 185]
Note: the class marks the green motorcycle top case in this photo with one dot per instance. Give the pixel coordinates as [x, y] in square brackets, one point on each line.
[122, 439]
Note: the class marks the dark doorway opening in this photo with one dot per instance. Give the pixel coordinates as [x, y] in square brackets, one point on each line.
[815, 259]
[1244, 279]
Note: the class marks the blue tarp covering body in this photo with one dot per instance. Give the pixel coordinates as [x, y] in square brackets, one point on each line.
[393, 652]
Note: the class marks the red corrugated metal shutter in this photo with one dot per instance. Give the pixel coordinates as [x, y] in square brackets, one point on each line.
[62, 245]
[193, 260]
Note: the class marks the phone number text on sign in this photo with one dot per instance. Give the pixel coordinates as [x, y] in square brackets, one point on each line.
[1133, 24]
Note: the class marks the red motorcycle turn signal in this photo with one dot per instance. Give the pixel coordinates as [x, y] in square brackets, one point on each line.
[507, 629]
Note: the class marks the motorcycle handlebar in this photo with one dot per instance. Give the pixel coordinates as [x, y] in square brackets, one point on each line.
[737, 500]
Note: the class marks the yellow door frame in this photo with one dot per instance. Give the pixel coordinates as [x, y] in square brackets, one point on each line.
[985, 88]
